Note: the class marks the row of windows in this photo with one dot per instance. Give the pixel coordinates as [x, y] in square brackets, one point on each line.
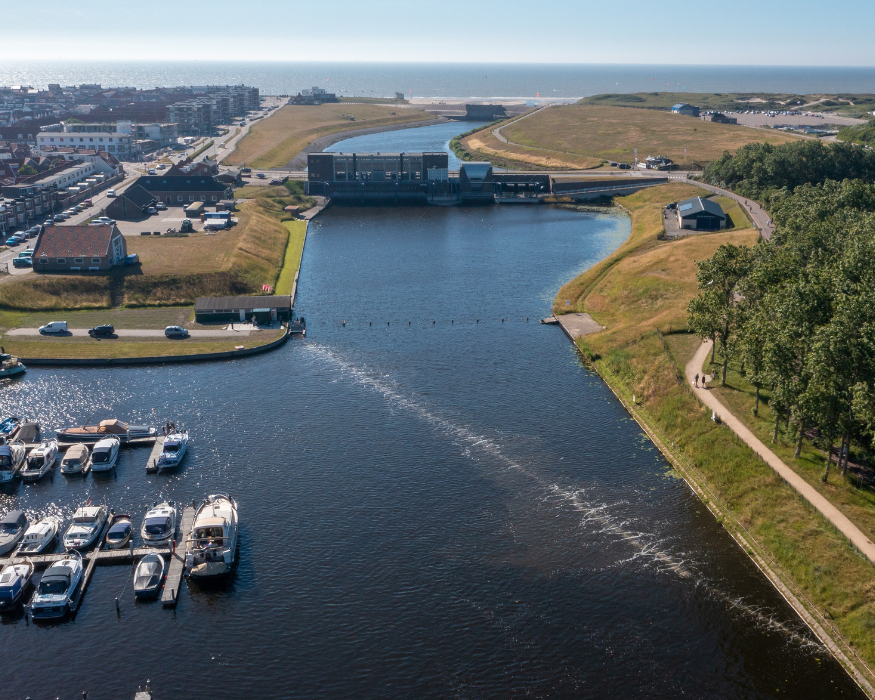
[63, 261]
[180, 198]
[82, 139]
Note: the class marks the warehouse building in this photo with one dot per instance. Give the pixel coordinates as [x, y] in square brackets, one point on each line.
[264, 310]
[700, 214]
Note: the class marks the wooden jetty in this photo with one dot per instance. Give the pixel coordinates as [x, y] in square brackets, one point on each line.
[152, 464]
[135, 442]
[170, 594]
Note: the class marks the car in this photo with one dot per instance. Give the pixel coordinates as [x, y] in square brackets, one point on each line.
[22, 262]
[49, 222]
[13, 240]
[175, 332]
[54, 327]
[275, 181]
[132, 259]
[161, 166]
[78, 208]
[152, 171]
[110, 193]
[246, 171]
[260, 176]
[25, 254]
[152, 210]
[161, 206]
[104, 330]
[87, 203]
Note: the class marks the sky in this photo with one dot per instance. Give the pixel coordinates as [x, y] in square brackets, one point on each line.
[740, 32]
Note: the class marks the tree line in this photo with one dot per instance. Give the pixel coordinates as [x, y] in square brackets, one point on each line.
[797, 312]
[765, 172]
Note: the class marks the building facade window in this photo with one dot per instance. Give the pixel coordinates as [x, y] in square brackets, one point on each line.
[61, 261]
[95, 260]
[78, 261]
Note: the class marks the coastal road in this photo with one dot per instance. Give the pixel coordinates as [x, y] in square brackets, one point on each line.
[802, 487]
[136, 333]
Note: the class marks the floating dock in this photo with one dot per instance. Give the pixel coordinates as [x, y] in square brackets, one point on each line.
[152, 464]
[170, 594]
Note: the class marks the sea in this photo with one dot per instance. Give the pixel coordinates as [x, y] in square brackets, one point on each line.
[531, 81]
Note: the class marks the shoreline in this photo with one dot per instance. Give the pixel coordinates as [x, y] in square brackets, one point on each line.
[839, 645]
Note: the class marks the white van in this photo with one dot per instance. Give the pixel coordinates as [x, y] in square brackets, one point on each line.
[54, 327]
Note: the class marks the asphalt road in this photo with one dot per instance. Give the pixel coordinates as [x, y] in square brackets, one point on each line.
[134, 333]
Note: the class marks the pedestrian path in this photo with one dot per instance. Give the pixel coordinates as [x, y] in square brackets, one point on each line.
[757, 214]
[802, 487]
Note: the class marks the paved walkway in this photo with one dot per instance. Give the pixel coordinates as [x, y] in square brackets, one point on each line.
[806, 490]
[759, 216]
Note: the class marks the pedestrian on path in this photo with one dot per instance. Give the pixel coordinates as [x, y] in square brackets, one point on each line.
[696, 382]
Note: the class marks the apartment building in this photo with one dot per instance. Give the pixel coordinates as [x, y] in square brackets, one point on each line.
[100, 137]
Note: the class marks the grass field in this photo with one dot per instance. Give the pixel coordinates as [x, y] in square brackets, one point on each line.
[702, 100]
[274, 142]
[504, 155]
[640, 293]
[297, 234]
[737, 215]
[117, 348]
[612, 133]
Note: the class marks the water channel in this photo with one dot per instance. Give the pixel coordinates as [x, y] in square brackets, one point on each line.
[437, 499]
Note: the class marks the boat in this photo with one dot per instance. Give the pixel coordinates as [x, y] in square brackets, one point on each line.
[12, 529]
[10, 365]
[120, 531]
[40, 459]
[175, 445]
[105, 454]
[149, 576]
[56, 588]
[38, 537]
[159, 525]
[8, 426]
[76, 460]
[14, 582]
[112, 427]
[211, 548]
[12, 458]
[88, 522]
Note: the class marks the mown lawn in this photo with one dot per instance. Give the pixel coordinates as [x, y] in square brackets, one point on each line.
[640, 293]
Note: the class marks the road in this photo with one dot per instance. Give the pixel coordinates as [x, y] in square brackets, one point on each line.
[802, 487]
[136, 333]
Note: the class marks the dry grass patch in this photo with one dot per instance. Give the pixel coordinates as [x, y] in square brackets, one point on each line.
[56, 292]
[273, 142]
[484, 142]
[612, 133]
[166, 255]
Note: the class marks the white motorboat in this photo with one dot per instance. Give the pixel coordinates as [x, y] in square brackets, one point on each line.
[40, 459]
[12, 458]
[76, 460]
[159, 525]
[57, 588]
[213, 542]
[38, 537]
[105, 454]
[10, 365]
[106, 428]
[149, 576]
[88, 521]
[12, 528]
[175, 445]
[120, 532]
[14, 582]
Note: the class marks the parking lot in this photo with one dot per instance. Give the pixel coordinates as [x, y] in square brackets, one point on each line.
[170, 218]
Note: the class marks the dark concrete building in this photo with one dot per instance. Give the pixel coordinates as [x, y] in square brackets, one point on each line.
[719, 118]
[79, 248]
[685, 109]
[179, 190]
[131, 205]
[700, 215]
[265, 310]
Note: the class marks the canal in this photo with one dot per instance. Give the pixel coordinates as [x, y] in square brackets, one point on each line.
[437, 499]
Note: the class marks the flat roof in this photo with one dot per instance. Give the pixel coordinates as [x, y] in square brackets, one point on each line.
[224, 304]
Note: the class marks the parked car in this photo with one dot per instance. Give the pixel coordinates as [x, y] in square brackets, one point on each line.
[132, 259]
[25, 254]
[246, 171]
[15, 239]
[104, 330]
[54, 327]
[22, 262]
[87, 203]
[261, 176]
[161, 166]
[152, 210]
[152, 171]
[175, 332]
[110, 193]
[276, 181]
[161, 206]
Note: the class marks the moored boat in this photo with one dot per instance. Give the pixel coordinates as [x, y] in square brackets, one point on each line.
[173, 451]
[38, 537]
[8, 426]
[159, 525]
[120, 531]
[13, 525]
[106, 428]
[88, 522]
[40, 459]
[12, 457]
[10, 365]
[211, 547]
[76, 460]
[56, 588]
[14, 582]
[105, 454]
[149, 576]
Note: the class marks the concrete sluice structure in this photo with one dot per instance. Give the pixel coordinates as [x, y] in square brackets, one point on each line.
[416, 178]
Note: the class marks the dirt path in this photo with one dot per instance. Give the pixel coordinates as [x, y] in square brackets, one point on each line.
[802, 487]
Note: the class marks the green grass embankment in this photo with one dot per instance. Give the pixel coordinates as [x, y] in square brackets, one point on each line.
[294, 249]
[640, 294]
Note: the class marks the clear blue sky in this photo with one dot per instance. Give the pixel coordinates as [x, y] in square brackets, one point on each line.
[732, 32]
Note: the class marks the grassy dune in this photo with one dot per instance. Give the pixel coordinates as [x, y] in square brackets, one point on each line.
[612, 133]
[640, 293]
[483, 144]
[272, 143]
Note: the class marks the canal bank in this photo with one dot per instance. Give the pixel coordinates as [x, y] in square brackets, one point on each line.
[640, 294]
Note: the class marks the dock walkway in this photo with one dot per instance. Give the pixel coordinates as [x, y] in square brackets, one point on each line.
[152, 464]
[170, 594]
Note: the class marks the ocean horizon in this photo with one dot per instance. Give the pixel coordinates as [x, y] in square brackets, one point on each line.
[446, 80]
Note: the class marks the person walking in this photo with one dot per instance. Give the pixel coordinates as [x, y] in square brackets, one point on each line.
[696, 382]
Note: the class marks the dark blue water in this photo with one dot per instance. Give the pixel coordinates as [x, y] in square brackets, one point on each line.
[485, 80]
[430, 510]
[423, 138]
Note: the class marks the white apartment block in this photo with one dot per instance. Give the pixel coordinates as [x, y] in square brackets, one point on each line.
[119, 144]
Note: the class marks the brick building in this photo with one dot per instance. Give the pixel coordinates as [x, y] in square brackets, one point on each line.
[179, 190]
[79, 248]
